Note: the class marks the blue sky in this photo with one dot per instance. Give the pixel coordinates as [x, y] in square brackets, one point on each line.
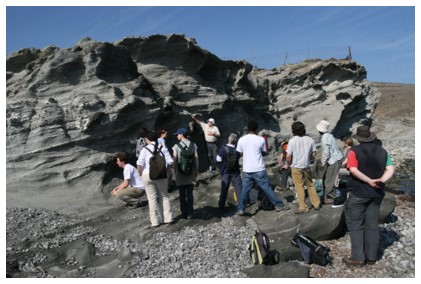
[381, 38]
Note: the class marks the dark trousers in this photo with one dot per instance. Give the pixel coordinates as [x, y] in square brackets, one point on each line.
[212, 152]
[226, 180]
[362, 220]
[186, 199]
[285, 173]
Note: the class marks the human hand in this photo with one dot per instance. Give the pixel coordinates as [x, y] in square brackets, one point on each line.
[375, 183]
[114, 191]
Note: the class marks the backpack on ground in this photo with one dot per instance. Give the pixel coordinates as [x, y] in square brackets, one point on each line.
[264, 202]
[230, 158]
[311, 250]
[259, 250]
[157, 163]
[186, 160]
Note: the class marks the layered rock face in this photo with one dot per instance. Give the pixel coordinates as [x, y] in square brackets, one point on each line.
[69, 110]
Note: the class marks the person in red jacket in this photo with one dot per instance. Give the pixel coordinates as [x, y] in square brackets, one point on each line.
[370, 166]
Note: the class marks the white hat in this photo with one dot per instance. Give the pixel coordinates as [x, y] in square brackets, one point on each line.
[323, 126]
[212, 120]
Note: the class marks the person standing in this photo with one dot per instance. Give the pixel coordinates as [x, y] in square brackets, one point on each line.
[163, 134]
[228, 158]
[157, 190]
[331, 160]
[284, 168]
[252, 148]
[185, 182]
[212, 134]
[300, 155]
[370, 167]
[131, 189]
[140, 143]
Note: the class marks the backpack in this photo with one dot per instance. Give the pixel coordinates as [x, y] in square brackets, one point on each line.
[311, 251]
[186, 160]
[157, 164]
[230, 158]
[264, 203]
[259, 250]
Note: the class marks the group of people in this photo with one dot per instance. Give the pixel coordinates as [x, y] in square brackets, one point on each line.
[368, 167]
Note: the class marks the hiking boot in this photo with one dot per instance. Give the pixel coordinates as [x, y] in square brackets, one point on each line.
[282, 208]
[133, 206]
[148, 226]
[338, 201]
[280, 188]
[371, 262]
[350, 262]
[318, 208]
[240, 212]
[328, 200]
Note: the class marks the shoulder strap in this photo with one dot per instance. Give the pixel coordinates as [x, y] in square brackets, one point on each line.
[155, 151]
[160, 150]
[148, 150]
[228, 149]
[191, 146]
[183, 147]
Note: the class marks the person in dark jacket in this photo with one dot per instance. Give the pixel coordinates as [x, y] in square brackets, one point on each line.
[370, 167]
[229, 175]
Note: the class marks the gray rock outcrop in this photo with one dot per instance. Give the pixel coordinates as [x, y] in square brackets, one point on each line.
[69, 110]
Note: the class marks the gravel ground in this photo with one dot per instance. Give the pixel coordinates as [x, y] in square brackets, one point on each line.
[215, 250]
[397, 250]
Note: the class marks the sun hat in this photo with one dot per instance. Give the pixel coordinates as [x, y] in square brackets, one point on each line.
[323, 126]
[181, 131]
[364, 135]
[212, 120]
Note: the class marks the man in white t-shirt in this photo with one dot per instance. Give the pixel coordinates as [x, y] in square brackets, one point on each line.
[131, 189]
[300, 155]
[212, 134]
[252, 147]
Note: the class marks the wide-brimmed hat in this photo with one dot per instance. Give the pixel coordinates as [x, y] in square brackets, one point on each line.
[212, 120]
[181, 131]
[364, 135]
[323, 126]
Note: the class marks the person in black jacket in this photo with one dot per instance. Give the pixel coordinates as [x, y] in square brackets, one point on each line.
[370, 166]
[229, 169]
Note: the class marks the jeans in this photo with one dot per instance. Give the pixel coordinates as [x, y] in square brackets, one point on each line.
[262, 180]
[362, 221]
[186, 199]
[228, 178]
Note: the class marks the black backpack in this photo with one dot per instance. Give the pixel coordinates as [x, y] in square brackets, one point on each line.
[230, 158]
[157, 164]
[259, 250]
[186, 160]
[311, 250]
[264, 202]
